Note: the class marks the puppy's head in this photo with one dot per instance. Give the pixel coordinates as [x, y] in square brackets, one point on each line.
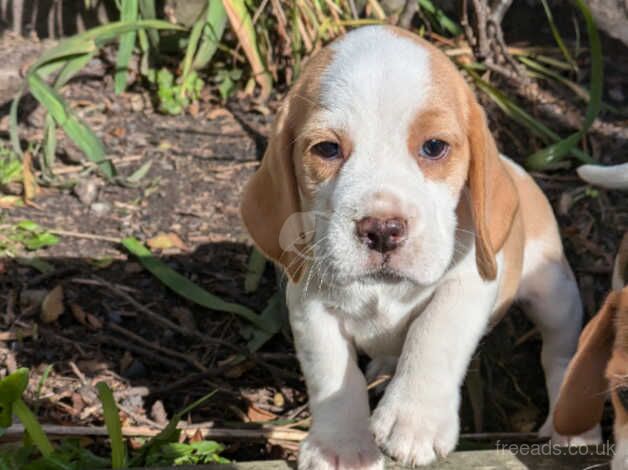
[600, 364]
[370, 162]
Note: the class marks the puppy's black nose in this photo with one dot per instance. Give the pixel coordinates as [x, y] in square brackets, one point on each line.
[382, 235]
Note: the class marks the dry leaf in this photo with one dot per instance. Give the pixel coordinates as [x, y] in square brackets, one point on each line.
[257, 415]
[84, 318]
[197, 436]
[279, 400]
[163, 241]
[52, 306]
[125, 361]
[28, 179]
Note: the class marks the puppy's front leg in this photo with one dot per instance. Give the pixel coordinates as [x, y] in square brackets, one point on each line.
[417, 419]
[339, 437]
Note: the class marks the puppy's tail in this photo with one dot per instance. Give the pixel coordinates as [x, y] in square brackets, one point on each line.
[610, 177]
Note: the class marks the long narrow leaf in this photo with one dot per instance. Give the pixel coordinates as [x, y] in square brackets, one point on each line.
[186, 288]
[147, 10]
[128, 14]
[193, 40]
[32, 427]
[212, 33]
[243, 28]
[71, 67]
[97, 37]
[80, 133]
[556, 152]
[557, 37]
[114, 428]
[519, 115]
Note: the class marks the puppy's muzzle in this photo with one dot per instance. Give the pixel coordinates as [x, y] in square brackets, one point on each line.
[382, 235]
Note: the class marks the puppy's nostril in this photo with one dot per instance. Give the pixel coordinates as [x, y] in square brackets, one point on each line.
[382, 235]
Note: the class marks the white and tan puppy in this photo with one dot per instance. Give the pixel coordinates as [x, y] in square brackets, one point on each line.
[404, 235]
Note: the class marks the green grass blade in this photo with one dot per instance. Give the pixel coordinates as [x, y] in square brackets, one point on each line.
[519, 115]
[149, 12]
[112, 422]
[556, 152]
[443, 20]
[255, 269]
[96, 37]
[186, 288]
[128, 14]
[212, 33]
[193, 40]
[50, 143]
[557, 37]
[32, 427]
[80, 133]
[14, 129]
[71, 67]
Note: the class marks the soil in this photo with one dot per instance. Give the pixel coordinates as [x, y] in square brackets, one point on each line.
[199, 163]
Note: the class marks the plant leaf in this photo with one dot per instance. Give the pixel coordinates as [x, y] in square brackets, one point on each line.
[187, 289]
[556, 152]
[80, 133]
[243, 28]
[114, 428]
[126, 44]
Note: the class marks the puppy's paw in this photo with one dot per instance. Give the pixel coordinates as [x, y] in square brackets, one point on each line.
[378, 368]
[591, 437]
[359, 453]
[415, 434]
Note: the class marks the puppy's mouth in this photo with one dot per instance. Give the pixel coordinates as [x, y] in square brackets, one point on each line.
[383, 271]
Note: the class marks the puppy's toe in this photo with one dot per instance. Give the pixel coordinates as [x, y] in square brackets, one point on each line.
[415, 436]
[355, 454]
[591, 437]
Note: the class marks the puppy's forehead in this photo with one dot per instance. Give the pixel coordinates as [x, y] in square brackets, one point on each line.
[375, 71]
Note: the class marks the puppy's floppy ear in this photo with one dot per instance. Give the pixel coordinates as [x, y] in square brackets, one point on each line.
[620, 270]
[494, 197]
[271, 195]
[581, 398]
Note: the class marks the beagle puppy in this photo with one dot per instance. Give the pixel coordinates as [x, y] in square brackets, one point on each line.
[404, 235]
[600, 365]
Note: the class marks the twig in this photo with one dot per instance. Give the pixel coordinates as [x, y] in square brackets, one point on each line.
[149, 313]
[89, 236]
[207, 430]
[138, 339]
[106, 339]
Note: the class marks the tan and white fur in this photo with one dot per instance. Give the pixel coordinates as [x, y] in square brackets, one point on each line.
[600, 366]
[478, 235]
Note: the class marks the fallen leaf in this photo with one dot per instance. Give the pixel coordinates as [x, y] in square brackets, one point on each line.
[28, 178]
[7, 202]
[52, 306]
[163, 241]
[85, 318]
[279, 400]
[125, 361]
[257, 415]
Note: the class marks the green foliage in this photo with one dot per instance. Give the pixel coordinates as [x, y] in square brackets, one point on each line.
[27, 234]
[37, 452]
[174, 98]
[195, 453]
[10, 166]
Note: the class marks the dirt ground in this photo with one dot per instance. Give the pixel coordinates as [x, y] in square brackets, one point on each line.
[200, 162]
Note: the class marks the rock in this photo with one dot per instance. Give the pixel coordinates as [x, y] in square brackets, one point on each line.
[100, 208]
[86, 190]
[611, 16]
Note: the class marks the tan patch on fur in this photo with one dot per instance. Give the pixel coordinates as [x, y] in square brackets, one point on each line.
[272, 194]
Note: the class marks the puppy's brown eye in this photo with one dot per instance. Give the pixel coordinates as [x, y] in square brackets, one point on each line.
[327, 150]
[434, 149]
